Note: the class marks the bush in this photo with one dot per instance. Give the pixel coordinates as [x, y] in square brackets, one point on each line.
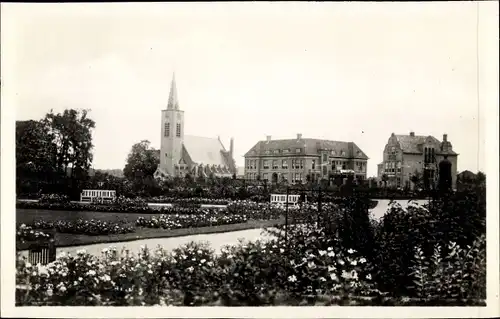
[27, 233]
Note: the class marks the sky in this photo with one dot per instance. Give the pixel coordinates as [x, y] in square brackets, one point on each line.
[340, 71]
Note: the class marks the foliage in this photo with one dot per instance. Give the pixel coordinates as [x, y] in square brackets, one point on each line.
[53, 198]
[27, 233]
[142, 163]
[461, 273]
[86, 227]
[459, 218]
[203, 219]
[55, 153]
[35, 156]
[244, 274]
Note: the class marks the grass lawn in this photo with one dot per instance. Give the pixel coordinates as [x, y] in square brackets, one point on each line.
[28, 216]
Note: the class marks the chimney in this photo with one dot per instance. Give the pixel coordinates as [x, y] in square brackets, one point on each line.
[299, 136]
[445, 137]
[231, 147]
[268, 138]
[412, 134]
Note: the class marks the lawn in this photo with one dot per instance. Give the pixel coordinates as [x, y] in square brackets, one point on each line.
[28, 216]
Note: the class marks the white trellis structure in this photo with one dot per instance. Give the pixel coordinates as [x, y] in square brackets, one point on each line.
[97, 195]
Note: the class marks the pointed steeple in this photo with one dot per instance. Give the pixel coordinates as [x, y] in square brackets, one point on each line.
[173, 102]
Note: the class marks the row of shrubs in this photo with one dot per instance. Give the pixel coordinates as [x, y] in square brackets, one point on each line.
[91, 227]
[190, 221]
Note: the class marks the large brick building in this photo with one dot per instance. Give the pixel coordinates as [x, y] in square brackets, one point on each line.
[186, 154]
[408, 155]
[292, 160]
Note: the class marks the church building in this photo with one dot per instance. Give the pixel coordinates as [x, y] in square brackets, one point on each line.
[186, 154]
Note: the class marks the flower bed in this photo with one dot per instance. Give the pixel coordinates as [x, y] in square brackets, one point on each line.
[53, 198]
[252, 273]
[86, 227]
[27, 233]
[189, 221]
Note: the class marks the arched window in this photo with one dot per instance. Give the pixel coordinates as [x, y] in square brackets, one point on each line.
[167, 130]
[178, 130]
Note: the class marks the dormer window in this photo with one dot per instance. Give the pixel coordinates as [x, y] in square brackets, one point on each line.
[286, 150]
[333, 152]
[297, 150]
[276, 151]
[343, 153]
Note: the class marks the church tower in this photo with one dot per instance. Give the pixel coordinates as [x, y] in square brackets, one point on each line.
[172, 133]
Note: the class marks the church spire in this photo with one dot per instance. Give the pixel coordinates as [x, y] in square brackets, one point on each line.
[173, 102]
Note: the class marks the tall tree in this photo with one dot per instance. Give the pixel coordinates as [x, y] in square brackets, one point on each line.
[71, 131]
[142, 161]
[35, 156]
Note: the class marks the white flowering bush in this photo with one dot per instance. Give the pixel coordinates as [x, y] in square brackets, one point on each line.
[27, 233]
[254, 273]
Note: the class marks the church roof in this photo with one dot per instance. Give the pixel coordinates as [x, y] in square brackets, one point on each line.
[308, 146]
[205, 150]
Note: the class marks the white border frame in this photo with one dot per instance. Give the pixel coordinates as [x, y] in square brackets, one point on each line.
[489, 104]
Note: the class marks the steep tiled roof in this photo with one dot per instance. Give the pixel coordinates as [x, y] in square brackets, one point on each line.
[310, 146]
[413, 144]
[205, 150]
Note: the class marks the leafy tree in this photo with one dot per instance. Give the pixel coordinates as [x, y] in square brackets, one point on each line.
[480, 178]
[35, 157]
[142, 161]
[71, 132]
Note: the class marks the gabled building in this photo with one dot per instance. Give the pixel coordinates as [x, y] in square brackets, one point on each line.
[292, 160]
[186, 154]
[416, 155]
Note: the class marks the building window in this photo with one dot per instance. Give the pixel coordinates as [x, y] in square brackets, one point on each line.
[284, 164]
[286, 150]
[343, 153]
[325, 157]
[313, 165]
[276, 151]
[325, 170]
[178, 130]
[301, 162]
[266, 164]
[167, 130]
[297, 150]
[275, 164]
[265, 176]
[333, 166]
[333, 152]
